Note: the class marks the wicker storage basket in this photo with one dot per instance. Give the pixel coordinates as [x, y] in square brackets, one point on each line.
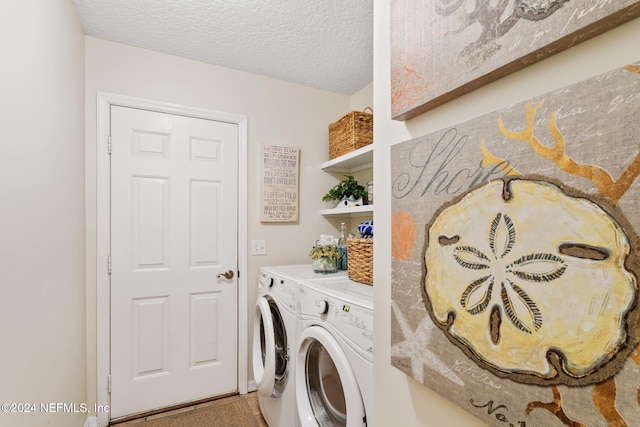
[352, 131]
[360, 260]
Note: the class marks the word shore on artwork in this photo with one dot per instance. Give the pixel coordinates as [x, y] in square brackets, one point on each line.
[515, 281]
[442, 49]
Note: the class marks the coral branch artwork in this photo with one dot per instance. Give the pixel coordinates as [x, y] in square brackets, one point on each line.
[603, 181]
[555, 408]
[515, 251]
[441, 49]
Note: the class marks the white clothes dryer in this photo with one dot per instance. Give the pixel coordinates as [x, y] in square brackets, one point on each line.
[275, 341]
[274, 331]
[334, 360]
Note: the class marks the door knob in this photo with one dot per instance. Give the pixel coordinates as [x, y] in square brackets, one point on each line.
[227, 275]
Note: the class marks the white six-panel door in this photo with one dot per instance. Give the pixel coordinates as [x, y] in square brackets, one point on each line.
[174, 186]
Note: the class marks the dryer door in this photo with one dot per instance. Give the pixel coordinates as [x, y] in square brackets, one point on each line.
[270, 359]
[327, 391]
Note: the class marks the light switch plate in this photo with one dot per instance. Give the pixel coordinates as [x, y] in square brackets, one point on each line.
[258, 247]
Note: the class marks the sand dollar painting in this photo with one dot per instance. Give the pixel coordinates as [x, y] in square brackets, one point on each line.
[515, 258]
[510, 267]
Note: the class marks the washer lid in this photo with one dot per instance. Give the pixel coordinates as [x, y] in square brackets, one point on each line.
[343, 289]
[297, 272]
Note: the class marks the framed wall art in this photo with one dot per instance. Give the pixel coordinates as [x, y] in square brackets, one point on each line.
[442, 49]
[515, 269]
[279, 183]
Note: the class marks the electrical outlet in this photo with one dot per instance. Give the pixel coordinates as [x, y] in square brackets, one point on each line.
[258, 247]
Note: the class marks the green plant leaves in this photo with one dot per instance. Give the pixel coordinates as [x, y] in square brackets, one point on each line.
[345, 189]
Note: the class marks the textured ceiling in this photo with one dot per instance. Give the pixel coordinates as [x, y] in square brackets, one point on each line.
[325, 44]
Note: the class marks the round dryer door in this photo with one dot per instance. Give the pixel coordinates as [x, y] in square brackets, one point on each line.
[327, 391]
[270, 359]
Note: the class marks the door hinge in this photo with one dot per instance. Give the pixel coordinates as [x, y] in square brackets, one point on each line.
[109, 144]
[109, 265]
[109, 383]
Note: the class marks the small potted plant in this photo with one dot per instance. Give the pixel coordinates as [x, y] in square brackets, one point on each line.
[347, 193]
[324, 258]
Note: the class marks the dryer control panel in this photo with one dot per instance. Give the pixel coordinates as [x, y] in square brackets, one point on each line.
[284, 289]
[287, 290]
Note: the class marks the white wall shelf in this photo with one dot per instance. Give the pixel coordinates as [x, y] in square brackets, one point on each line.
[366, 210]
[354, 161]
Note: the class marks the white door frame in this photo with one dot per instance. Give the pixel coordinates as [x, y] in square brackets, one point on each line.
[103, 229]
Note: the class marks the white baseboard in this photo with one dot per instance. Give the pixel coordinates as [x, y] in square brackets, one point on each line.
[252, 386]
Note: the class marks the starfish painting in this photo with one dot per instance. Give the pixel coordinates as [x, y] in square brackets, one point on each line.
[416, 347]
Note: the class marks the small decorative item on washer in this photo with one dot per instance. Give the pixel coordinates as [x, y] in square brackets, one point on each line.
[324, 258]
[365, 229]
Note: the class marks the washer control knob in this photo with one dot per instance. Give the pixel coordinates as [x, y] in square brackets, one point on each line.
[322, 306]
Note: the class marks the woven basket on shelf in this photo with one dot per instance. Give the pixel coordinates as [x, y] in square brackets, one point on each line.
[352, 131]
[360, 260]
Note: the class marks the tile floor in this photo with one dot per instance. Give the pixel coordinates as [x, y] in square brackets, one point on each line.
[250, 398]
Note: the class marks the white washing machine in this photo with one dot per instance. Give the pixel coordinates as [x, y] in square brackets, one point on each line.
[275, 341]
[334, 360]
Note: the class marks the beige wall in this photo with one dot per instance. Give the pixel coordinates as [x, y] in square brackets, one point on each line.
[399, 399]
[277, 113]
[42, 321]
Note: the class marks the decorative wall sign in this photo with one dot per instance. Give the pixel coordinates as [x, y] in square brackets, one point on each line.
[442, 49]
[515, 258]
[279, 183]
